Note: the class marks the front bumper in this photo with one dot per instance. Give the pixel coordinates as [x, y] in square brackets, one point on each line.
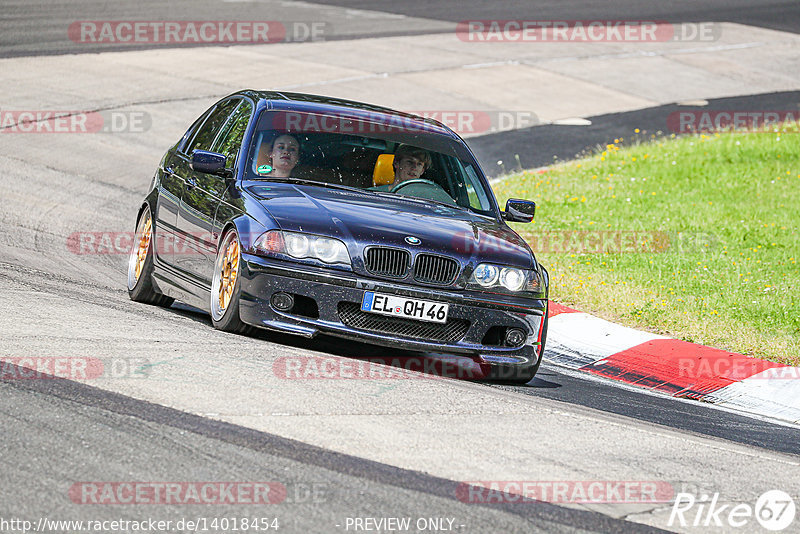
[335, 292]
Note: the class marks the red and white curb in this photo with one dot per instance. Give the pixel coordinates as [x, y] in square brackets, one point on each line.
[580, 341]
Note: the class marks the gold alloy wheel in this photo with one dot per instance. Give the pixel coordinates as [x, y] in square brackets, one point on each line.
[144, 245]
[229, 271]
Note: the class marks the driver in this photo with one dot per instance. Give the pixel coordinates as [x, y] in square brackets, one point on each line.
[409, 163]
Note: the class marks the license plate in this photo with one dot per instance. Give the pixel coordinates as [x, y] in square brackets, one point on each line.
[421, 310]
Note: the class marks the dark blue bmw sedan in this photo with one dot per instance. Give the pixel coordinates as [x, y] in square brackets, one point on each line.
[306, 214]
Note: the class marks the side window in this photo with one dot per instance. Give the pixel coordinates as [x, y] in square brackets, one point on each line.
[193, 128]
[469, 191]
[208, 132]
[229, 141]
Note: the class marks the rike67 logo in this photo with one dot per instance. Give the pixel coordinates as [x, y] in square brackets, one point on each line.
[774, 510]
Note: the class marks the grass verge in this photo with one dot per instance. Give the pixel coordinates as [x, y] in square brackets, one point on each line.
[694, 237]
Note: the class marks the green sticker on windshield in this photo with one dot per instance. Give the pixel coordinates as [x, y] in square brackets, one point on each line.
[264, 169]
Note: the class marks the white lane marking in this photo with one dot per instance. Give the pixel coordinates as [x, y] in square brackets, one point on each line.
[573, 121]
[491, 64]
[642, 53]
[335, 80]
[773, 392]
[370, 14]
[583, 375]
[348, 12]
[627, 423]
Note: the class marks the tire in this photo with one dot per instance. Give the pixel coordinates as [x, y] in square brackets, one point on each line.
[140, 264]
[225, 286]
[523, 375]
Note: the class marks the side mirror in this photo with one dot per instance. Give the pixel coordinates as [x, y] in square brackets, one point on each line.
[518, 210]
[210, 163]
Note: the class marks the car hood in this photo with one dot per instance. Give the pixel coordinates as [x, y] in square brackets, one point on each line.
[361, 219]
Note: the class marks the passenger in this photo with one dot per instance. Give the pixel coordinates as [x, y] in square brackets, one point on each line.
[279, 158]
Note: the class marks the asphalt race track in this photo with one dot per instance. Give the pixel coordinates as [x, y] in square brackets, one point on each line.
[126, 439]
[33, 27]
[187, 403]
[555, 142]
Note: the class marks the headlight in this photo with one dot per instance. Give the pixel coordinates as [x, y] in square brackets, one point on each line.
[486, 275]
[326, 249]
[300, 246]
[296, 245]
[512, 279]
[506, 279]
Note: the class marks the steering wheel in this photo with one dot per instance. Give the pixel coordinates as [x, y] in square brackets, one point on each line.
[414, 181]
[426, 189]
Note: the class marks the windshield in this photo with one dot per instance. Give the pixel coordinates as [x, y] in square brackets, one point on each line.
[407, 157]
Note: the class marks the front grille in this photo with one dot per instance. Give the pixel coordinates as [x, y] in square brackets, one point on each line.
[387, 261]
[435, 269]
[453, 330]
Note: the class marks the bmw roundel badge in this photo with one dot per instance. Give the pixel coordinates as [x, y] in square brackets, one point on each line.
[411, 240]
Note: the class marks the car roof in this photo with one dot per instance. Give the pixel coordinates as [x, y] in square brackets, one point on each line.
[283, 100]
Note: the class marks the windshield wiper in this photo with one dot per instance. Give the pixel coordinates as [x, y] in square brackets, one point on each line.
[421, 200]
[305, 181]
